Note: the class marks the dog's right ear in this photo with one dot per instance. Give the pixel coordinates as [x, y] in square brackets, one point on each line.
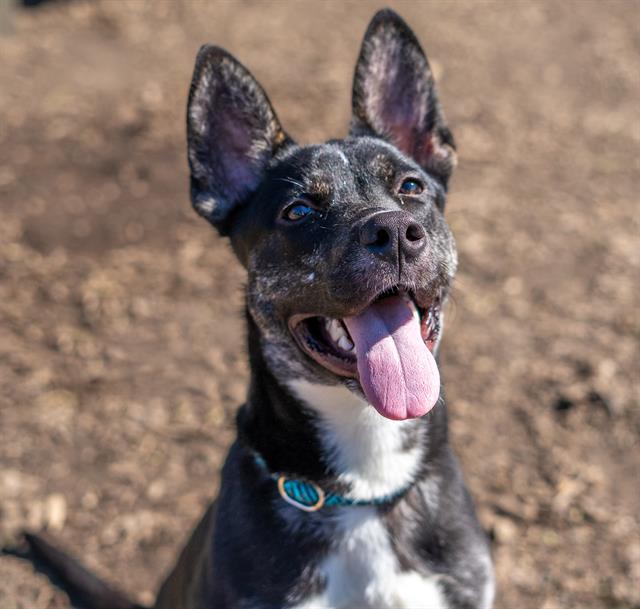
[232, 134]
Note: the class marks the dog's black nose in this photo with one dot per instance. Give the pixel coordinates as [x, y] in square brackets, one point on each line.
[393, 233]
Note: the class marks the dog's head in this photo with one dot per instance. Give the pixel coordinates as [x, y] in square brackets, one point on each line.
[348, 255]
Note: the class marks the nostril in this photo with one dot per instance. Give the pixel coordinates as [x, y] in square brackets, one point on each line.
[375, 236]
[382, 238]
[415, 232]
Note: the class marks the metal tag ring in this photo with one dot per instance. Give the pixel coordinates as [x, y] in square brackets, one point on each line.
[294, 502]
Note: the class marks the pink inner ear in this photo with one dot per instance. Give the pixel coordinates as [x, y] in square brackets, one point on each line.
[397, 99]
[403, 123]
[405, 136]
[236, 136]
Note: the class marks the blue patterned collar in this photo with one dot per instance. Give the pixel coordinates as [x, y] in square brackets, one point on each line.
[309, 496]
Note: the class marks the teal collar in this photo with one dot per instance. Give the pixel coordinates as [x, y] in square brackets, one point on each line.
[309, 496]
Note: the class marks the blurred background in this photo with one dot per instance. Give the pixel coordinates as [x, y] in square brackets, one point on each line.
[122, 354]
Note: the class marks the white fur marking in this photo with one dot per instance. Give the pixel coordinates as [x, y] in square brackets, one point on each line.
[366, 450]
[363, 572]
[361, 445]
[489, 591]
[342, 156]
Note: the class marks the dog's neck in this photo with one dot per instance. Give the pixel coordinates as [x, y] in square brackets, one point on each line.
[327, 432]
[375, 457]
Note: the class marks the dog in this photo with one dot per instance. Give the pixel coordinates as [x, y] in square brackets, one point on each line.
[341, 490]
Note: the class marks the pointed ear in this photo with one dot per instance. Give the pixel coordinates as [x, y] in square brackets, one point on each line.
[394, 96]
[232, 134]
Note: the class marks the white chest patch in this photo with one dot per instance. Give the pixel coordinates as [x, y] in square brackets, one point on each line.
[363, 572]
[367, 451]
[360, 444]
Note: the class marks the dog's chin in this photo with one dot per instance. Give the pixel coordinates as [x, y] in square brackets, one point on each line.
[327, 341]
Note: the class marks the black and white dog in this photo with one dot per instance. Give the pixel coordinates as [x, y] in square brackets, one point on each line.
[341, 490]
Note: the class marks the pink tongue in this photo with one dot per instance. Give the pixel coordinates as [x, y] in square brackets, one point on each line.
[397, 372]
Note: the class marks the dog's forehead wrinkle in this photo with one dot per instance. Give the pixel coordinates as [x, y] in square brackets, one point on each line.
[329, 177]
[352, 175]
[331, 153]
[340, 161]
[383, 160]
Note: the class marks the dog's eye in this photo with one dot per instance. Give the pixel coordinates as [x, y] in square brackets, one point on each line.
[411, 186]
[297, 211]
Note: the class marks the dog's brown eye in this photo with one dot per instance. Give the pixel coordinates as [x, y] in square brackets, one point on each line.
[297, 211]
[411, 186]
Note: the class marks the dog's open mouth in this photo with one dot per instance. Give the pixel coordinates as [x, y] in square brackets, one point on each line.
[328, 341]
[387, 346]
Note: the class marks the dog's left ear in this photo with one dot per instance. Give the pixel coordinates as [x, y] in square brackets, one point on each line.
[394, 96]
[232, 134]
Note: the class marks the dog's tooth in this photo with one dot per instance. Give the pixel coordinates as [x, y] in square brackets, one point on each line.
[335, 330]
[416, 313]
[331, 328]
[344, 343]
[431, 319]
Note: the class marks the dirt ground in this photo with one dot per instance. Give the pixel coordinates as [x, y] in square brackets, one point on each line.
[122, 353]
